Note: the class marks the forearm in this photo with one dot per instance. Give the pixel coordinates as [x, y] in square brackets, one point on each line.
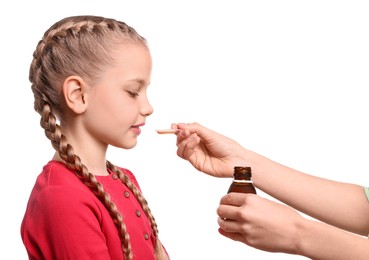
[321, 241]
[329, 201]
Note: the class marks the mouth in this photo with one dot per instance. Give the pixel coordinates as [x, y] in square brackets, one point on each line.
[138, 125]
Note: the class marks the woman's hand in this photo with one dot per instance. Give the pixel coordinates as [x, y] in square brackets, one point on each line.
[259, 222]
[208, 151]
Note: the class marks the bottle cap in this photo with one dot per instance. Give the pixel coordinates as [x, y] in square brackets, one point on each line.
[242, 172]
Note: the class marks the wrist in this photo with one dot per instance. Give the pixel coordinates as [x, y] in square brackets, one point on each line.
[304, 236]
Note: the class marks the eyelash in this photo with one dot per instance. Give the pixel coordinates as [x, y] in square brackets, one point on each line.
[133, 94]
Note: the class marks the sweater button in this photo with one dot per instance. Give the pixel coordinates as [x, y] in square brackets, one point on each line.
[138, 213]
[146, 236]
[126, 194]
[115, 177]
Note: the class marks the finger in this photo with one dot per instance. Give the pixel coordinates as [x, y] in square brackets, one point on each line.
[182, 142]
[183, 134]
[235, 198]
[228, 225]
[193, 142]
[228, 212]
[203, 132]
[174, 126]
[186, 146]
[231, 235]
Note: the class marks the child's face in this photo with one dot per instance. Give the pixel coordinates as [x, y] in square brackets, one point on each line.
[118, 103]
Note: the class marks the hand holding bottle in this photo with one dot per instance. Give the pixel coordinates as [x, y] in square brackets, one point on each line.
[260, 223]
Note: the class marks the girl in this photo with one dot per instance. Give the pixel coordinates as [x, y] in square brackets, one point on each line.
[89, 77]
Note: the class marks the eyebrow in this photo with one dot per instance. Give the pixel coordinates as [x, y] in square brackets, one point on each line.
[141, 81]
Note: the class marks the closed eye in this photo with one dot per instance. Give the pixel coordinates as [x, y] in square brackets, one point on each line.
[133, 94]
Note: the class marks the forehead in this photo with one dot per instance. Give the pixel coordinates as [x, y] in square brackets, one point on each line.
[131, 60]
[131, 53]
[130, 49]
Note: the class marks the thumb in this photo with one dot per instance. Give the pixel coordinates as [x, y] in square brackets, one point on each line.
[200, 130]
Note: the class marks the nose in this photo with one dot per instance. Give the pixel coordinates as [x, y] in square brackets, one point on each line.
[146, 108]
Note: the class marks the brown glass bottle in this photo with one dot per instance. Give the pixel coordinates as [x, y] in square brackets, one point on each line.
[242, 180]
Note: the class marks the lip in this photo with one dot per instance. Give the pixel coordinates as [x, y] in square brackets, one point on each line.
[139, 125]
[137, 128]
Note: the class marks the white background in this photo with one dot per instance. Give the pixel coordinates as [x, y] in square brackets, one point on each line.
[287, 79]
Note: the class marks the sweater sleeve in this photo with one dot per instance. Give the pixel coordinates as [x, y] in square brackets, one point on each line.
[65, 224]
[366, 190]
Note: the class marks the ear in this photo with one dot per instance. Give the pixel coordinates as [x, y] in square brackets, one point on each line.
[73, 90]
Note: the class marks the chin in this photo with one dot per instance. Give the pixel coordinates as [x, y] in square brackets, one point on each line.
[125, 145]
[129, 145]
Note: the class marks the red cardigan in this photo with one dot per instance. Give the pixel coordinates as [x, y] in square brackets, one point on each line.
[65, 220]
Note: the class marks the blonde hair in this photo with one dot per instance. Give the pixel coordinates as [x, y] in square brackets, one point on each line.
[82, 45]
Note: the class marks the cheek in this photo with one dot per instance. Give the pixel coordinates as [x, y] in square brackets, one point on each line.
[103, 108]
[111, 103]
[123, 112]
[114, 108]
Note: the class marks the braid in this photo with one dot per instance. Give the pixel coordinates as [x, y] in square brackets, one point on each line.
[80, 45]
[126, 181]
